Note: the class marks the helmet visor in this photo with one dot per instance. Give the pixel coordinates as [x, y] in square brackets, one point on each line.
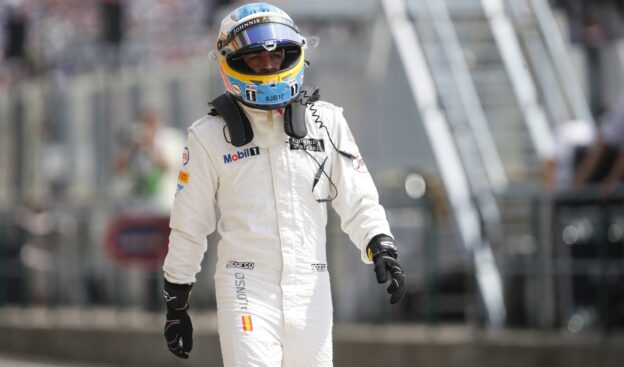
[291, 55]
[262, 35]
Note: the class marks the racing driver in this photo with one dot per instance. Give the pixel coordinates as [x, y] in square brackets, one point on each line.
[269, 155]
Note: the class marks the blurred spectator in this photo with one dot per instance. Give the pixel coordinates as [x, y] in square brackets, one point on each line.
[570, 137]
[112, 13]
[148, 160]
[147, 164]
[16, 28]
[64, 36]
[14, 34]
[594, 24]
[604, 161]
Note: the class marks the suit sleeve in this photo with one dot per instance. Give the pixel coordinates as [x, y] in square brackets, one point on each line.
[357, 201]
[193, 215]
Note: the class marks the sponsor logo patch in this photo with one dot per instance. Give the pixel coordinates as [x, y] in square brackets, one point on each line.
[240, 291]
[251, 95]
[247, 325]
[315, 145]
[240, 265]
[241, 154]
[236, 88]
[167, 297]
[319, 267]
[359, 165]
[183, 177]
[186, 155]
[274, 97]
[294, 87]
[178, 189]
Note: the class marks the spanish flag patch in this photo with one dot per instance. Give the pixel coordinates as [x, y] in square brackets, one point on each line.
[247, 326]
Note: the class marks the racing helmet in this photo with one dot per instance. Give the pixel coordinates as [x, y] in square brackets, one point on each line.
[258, 27]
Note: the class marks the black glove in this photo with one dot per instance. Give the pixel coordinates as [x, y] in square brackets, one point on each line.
[382, 252]
[178, 327]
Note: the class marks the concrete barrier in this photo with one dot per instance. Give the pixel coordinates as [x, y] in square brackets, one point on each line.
[136, 340]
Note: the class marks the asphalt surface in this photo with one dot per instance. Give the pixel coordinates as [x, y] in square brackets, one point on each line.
[107, 338]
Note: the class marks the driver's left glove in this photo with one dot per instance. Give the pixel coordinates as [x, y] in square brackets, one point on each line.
[382, 252]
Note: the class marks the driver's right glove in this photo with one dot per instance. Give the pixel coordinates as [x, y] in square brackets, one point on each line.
[178, 327]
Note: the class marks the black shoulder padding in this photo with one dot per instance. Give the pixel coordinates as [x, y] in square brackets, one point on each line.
[294, 115]
[237, 123]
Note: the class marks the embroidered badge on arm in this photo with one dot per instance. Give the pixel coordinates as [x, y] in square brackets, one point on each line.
[183, 179]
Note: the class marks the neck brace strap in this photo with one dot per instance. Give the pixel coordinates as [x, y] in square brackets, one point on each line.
[237, 122]
[239, 127]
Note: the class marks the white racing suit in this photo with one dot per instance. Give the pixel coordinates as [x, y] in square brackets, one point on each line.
[272, 285]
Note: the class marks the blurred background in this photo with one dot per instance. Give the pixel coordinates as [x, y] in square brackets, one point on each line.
[494, 130]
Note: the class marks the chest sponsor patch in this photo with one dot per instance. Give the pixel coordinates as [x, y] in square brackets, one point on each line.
[240, 265]
[314, 145]
[319, 267]
[240, 154]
